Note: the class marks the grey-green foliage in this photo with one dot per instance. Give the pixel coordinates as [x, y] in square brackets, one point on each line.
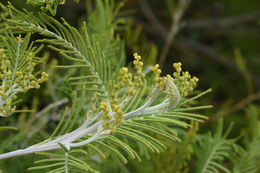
[138, 130]
[96, 53]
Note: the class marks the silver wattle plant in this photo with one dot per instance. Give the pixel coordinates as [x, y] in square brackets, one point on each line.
[86, 129]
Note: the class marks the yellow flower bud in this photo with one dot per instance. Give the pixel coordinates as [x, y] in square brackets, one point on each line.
[2, 67]
[107, 110]
[37, 86]
[40, 80]
[14, 97]
[178, 69]
[104, 124]
[109, 118]
[161, 83]
[121, 122]
[125, 70]
[25, 89]
[7, 62]
[29, 68]
[125, 76]
[8, 102]
[156, 79]
[175, 65]
[113, 130]
[33, 82]
[94, 110]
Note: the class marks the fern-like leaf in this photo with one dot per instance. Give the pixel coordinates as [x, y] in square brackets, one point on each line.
[18, 60]
[213, 151]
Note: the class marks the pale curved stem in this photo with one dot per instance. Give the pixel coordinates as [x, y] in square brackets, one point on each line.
[87, 141]
[83, 131]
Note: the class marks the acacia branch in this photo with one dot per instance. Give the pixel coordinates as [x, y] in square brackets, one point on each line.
[80, 132]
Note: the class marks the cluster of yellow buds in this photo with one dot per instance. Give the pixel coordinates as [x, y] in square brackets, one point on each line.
[183, 80]
[15, 78]
[6, 107]
[138, 66]
[44, 77]
[118, 116]
[113, 101]
[106, 117]
[125, 78]
[159, 81]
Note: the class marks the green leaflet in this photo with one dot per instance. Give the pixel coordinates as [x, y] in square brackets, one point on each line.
[3, 128]
[213, 150]
[114, 150]
[152, 129]
[132, 154]
[63, 162]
